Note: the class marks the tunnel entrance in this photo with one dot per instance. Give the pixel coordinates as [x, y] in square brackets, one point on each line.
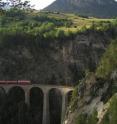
[55, 106]
[15, 108]
[36, 105]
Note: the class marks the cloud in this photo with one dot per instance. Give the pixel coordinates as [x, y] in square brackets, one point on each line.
[40, 4]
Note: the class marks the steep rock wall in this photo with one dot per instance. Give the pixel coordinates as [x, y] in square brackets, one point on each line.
[62, 62]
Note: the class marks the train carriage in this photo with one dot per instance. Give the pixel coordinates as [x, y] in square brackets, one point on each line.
[20, 82]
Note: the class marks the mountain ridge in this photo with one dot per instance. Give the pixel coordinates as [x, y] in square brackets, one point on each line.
[96, 8]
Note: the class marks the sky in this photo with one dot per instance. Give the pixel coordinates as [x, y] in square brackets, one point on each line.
[40, 4]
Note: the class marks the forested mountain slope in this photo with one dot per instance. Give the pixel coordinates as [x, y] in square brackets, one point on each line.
[96, 8]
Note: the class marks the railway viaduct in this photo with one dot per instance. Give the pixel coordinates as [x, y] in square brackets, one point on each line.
[45, 89]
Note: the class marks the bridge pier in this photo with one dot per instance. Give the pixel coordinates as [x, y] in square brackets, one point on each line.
[46, 109]
[27, 98]
[64, 103]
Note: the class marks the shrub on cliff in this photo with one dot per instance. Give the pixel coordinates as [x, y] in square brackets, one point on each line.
[111, 115]
[108, 62]
[87, 119]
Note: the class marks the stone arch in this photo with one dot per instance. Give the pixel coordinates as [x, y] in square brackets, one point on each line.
[2, 103]
[15, 106]
[68, 97]
[16, 94]
[55, 106]
[2, 95]
[36, 105]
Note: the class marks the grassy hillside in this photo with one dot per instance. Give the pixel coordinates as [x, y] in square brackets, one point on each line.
[30, 22]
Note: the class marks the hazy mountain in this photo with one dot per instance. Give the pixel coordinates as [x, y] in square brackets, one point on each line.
[98, 8]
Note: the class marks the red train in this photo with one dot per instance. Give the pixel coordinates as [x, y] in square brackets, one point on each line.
[20, 82]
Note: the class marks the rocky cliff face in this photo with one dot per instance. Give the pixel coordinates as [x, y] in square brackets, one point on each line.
[62, 62]
[98, 8]
[93, 94]
[94, 100]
